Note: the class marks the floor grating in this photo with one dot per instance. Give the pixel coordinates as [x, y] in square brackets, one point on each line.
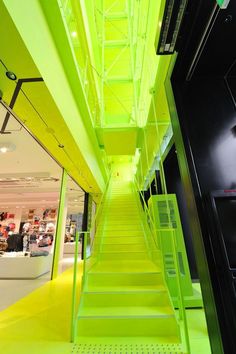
[127, 349]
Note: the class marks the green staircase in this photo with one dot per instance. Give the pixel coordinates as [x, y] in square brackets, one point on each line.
[125, 305]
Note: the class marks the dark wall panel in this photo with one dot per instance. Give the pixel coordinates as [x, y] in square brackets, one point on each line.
[206, 116]
[210, 116]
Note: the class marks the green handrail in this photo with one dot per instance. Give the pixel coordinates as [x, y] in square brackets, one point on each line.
[85, 240]
[93, 224]
[73, 319]
[147, 212]
[182, 311]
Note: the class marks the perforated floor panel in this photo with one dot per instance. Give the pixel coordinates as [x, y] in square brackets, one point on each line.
[127, 349]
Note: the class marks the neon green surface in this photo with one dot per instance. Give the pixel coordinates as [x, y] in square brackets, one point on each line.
[124, 293]
[164, 209]
[39, 322]
[104, 97]
[74, 290]
[61, 86]
[60, 225]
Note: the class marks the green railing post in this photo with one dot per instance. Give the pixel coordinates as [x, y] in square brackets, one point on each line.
[74, 292]
[60, 226]
[182, 311]
[85, 243]
[85, 254]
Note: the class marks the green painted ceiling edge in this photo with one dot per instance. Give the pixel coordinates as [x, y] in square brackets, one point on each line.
[53, 16]
[54, 19]
[44, 114]
[36, 42]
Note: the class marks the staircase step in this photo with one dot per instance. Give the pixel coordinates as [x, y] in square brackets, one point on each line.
[160, 325]
[109, 240]
[123, 255]
[125, 267]
[120, 233]
[116, 302]
[130, 288]
[123, 227]
[123, 247]
[126, 311]
[125, 221]
[128, 345]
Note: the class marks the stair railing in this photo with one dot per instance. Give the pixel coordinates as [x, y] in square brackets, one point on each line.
[84, 236]
[182, 317]
[158, 243]
[149, 218]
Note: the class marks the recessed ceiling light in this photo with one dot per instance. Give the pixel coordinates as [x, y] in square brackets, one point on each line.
[6, 147]
[3, 149]
[75, 200]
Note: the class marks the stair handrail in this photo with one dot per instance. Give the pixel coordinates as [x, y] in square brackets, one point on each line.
[147, 212]
[84, 235]
[74, 295]
[93, 224]
[180, 298]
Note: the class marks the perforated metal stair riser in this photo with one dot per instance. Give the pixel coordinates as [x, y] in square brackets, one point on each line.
[126, 349]
[125, 305]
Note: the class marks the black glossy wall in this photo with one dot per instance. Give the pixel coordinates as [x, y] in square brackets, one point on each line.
[206, 121]
[205, 136]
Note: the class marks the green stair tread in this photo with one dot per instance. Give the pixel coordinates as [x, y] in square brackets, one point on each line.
[127, 311]
[126, 267]
[122, 233]
[122, 251]
[109, 240]
[124, 293]
[126, 289]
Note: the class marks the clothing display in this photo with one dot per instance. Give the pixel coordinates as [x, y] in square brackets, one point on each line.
[35, 233]
[15, 243]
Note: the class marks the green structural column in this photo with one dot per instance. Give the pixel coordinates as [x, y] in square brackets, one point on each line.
[60, 225]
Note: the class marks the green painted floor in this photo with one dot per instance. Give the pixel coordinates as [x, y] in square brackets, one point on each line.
[40, 322]
[125, 306]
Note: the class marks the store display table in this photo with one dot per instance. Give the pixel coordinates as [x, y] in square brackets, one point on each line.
[21, 267]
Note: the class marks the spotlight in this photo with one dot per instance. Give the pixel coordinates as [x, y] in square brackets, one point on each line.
[11, 75]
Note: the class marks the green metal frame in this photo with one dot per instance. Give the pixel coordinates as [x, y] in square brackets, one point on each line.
[59, 230]
[164, 209]
[86, 235]
[74, 294]
[155, 233]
